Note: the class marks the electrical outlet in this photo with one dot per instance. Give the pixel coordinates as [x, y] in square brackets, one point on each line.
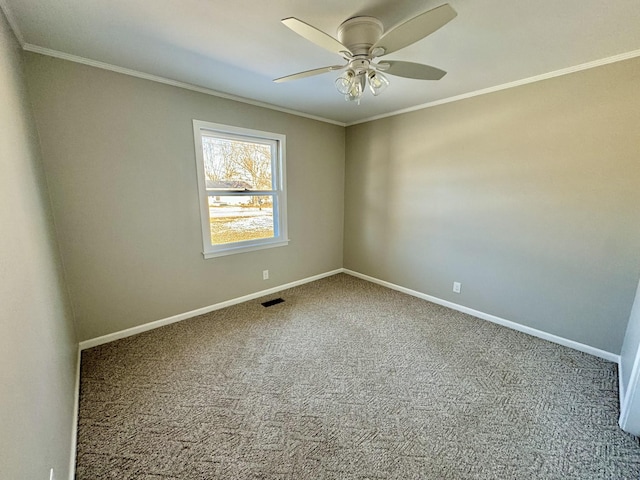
[265, 274]
[456, 287]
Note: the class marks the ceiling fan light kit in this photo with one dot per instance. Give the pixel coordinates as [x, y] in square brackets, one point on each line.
[361, 40]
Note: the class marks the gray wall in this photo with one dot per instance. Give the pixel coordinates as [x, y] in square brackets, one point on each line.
[119, 157]
[528, 196]
[38, 347]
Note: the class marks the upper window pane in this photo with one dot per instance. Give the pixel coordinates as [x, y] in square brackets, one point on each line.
[232, 164]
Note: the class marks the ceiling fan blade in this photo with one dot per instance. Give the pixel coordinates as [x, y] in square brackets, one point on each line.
[309, 73]
[417, 71]
[416, 28]
[314, 35]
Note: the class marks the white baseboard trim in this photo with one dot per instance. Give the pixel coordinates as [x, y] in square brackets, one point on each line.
[454, 306]
[492, 318]
[76, 409]
[94, 342]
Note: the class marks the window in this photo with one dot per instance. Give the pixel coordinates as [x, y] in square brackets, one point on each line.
[241, 181]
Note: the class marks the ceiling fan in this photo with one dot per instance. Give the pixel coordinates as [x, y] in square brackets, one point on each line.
[361, 40]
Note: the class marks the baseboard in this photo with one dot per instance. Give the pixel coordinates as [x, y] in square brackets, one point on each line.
[76, 408]
[94, 342]
[492, 318]
[454, 306]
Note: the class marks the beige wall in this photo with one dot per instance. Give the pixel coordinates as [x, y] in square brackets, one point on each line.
[119, 158]
[38, 347]
[528, 196]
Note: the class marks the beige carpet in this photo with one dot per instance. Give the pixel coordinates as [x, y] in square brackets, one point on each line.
[347, 380]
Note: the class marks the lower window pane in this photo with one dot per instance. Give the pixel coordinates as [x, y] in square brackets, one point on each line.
[236, 219]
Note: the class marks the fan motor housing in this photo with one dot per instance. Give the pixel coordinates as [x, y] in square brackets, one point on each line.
[358, 34]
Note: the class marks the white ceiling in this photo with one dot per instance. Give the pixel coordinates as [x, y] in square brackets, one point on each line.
[237, 47]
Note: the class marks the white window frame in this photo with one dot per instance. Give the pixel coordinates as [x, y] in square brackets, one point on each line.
[278, 192]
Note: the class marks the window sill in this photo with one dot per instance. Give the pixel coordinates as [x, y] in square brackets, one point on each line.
[244, 248]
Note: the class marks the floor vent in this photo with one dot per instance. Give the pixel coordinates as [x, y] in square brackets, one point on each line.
[275, 301]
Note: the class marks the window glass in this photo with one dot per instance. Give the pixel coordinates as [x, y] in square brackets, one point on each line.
[241, 183]
[237, 219]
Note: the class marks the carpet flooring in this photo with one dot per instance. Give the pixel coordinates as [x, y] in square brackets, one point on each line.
[347, 380]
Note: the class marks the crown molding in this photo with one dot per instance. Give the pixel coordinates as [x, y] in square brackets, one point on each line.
[538, 78]
[12, 22]
[167, 81]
